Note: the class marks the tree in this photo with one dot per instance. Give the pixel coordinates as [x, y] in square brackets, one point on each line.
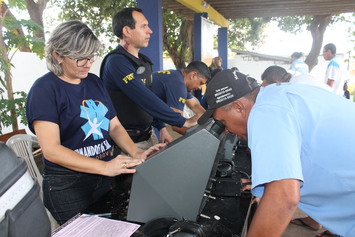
[315, 24]
[246, 31]
[180, 49]
[317, 27]
[13, 38]
[97, 14]
[177, 31]
[35, 10]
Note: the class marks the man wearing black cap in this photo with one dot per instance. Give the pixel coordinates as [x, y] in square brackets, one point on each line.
[299, 156]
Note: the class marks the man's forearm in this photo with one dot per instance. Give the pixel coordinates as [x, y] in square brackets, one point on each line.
[276, 209]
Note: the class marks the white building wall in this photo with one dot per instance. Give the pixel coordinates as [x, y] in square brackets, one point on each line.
[247, 65]
[28, 67]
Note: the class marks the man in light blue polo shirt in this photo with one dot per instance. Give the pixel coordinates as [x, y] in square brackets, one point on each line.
[300, 156]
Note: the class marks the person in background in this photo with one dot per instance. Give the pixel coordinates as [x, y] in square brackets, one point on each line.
[127, 75]
[301, 167]
[216, 63]
[72, 115]
[297, 64]
[174, 87]
[346, 91]
[215, 67]
[275, 74]
[336, 74]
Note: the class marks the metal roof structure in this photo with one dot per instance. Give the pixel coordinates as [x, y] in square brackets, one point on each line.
[232, 9]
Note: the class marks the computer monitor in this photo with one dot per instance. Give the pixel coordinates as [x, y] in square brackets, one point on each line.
[173, 181]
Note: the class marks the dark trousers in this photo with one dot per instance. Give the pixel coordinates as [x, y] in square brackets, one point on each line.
[67, 192]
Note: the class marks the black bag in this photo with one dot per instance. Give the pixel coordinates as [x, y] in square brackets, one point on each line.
[22, 212]
[171, 227]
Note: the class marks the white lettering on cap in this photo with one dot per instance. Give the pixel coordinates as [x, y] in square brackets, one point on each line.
[222, 91]
[223, 94]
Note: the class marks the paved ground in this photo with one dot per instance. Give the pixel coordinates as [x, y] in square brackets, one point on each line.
[298, 231]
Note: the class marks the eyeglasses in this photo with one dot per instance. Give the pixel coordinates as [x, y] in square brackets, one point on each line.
[81, 62]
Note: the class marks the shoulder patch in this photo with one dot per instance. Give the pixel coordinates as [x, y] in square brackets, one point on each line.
[182, 100]
[164, 72]
[128, 78]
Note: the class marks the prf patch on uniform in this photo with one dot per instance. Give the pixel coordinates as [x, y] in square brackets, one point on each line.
[182, 100]
[164, 72]
[128, 78]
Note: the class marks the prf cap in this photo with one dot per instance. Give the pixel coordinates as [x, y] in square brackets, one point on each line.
[226, 87]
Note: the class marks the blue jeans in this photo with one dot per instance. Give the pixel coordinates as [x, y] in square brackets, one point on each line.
[67, 192]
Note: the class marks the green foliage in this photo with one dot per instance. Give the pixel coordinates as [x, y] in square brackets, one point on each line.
[350, 19]
[17, 105]
[176, 39]
[245, 31]
[293, 24]
[14, 40]
[296, 24]
[19, 4]
[4, 66]
[97, 14]
[16, 34]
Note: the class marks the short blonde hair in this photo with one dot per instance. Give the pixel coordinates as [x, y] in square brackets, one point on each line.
[72, 39]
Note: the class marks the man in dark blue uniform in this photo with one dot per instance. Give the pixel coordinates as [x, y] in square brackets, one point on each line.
[127, 74]
[174, 87]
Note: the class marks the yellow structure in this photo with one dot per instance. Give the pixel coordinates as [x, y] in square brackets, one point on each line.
[200, 6]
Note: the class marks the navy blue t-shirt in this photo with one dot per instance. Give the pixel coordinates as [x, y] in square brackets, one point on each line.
[170, 87]
[83, 112]
[120, 74]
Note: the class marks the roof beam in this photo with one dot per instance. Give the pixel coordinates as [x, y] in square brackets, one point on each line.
[200, 6]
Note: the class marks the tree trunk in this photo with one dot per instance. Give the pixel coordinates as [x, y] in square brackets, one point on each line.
[180, 50]
[35, 11]
[190, 35]
[5, 12]
[317, 28]
[8, 76]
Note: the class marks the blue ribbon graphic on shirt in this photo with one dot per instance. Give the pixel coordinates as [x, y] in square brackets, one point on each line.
[94, 112]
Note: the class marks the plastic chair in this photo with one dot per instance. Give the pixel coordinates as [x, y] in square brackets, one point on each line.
[23, 146]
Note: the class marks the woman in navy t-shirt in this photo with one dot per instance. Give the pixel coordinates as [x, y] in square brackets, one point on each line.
[72, 115]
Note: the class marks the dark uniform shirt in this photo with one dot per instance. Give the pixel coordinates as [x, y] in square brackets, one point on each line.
[136, 104]
[170, 87]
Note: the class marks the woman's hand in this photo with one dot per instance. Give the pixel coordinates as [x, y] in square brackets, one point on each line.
[121, 165]
[145, 154]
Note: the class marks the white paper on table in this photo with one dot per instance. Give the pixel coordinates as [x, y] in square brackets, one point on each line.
[93, 226]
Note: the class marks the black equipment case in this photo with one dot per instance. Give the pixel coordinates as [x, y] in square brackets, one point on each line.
[22, 212]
